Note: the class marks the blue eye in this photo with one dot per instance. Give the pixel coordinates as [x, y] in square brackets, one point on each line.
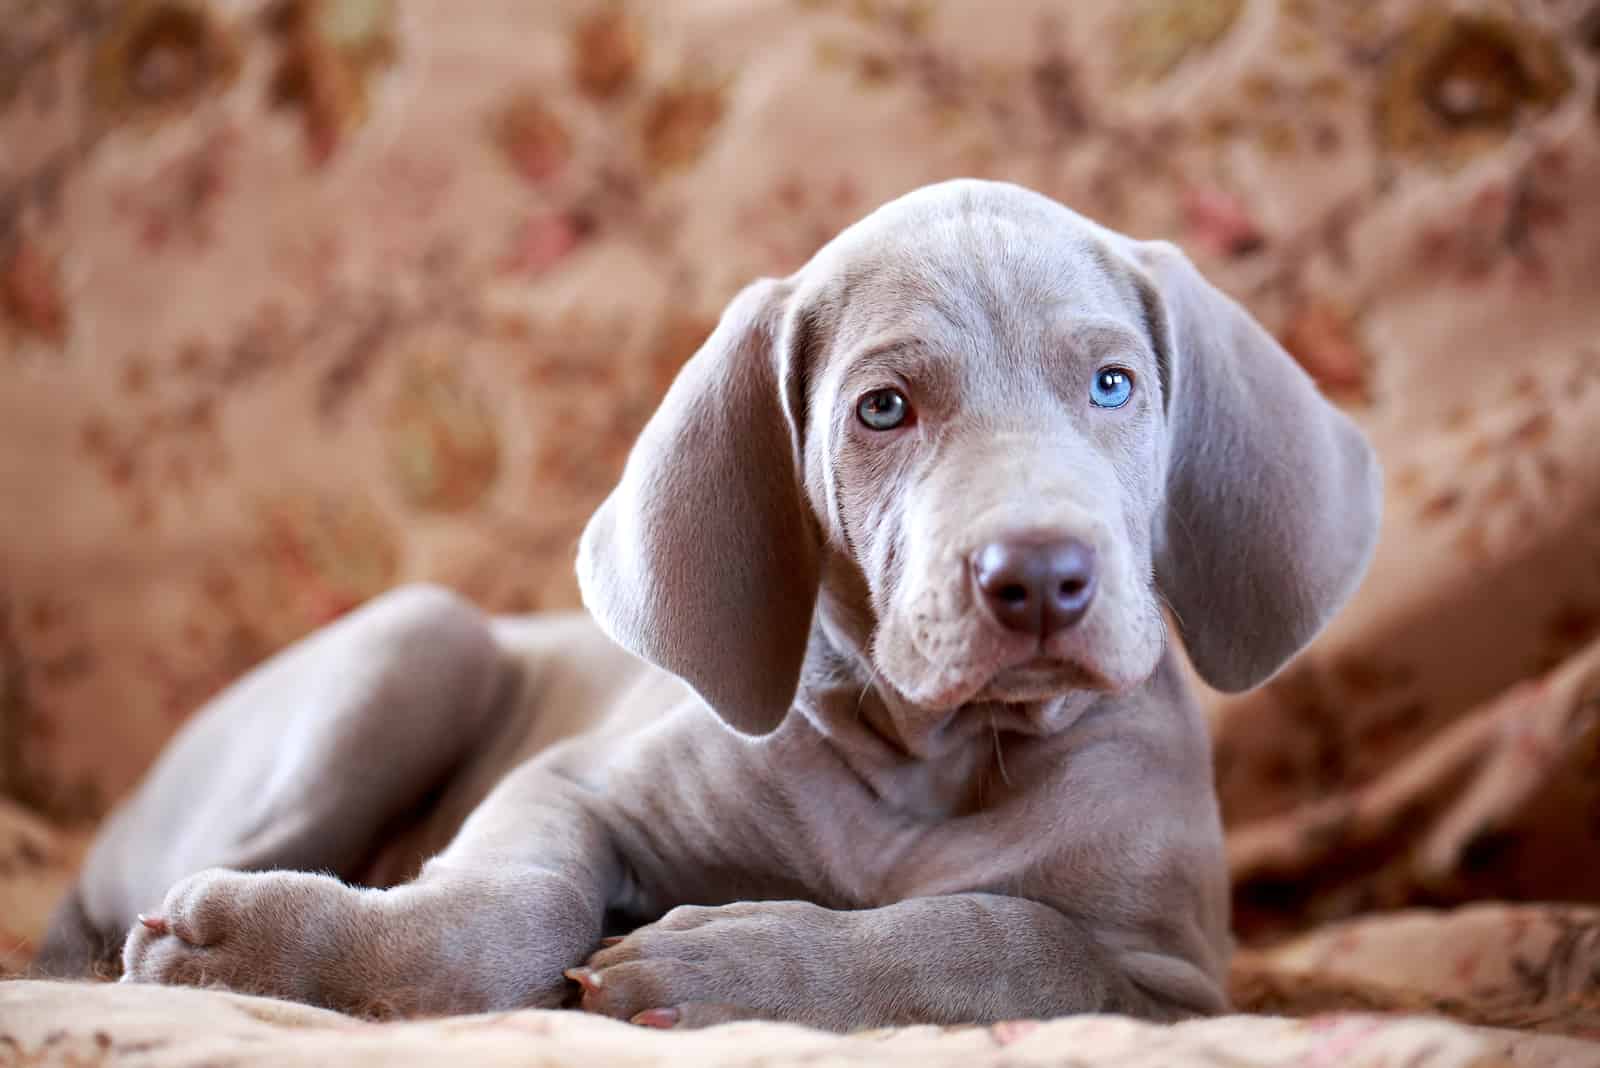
[1112, 387]
[883, 409]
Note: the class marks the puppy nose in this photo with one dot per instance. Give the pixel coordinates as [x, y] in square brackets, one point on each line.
[1035, 585]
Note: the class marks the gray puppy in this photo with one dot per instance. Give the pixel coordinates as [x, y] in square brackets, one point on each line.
[890, 731]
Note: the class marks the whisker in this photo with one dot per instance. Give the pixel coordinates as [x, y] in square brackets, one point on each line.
[872, 676]
[999, 757]
[1183, 524]
[1167, 601]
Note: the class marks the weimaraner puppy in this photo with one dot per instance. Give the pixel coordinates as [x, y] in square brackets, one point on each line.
[873, 721]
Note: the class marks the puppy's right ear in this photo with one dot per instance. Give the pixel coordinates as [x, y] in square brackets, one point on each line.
[705, 558]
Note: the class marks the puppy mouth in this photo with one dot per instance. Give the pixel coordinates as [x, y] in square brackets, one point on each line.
[965, 659]
[1038, 678]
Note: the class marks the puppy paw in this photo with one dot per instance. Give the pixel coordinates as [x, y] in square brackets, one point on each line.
[257, 933]
[699, 966]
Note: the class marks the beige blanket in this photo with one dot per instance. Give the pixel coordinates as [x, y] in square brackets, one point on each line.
[86, 1026]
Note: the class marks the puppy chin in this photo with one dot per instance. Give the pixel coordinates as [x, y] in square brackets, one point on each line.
[938, 691]
[1040, 679]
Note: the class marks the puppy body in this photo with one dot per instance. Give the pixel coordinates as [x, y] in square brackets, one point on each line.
[922, 813]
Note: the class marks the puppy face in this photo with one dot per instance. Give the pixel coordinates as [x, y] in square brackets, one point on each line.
[983, 440]
[985, 431]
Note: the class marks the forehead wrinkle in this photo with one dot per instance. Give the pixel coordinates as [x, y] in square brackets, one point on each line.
[979, 283]
[995, 284]
[915, 321]
[1015, 285]
[1103, 332]
[899, 355]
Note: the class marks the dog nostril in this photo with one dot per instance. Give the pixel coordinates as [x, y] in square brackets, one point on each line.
[1013, 594]
[1072, 587]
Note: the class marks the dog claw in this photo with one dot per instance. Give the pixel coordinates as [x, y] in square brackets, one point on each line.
[158, 924]
[584, 977]
[662, 1019]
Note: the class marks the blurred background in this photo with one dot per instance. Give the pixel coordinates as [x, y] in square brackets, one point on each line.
[302, 300]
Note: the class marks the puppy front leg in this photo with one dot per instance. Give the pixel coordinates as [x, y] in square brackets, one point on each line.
[962, 958]
[490, 923]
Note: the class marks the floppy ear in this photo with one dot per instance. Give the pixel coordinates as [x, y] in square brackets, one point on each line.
[1273, 495]
[704, 559]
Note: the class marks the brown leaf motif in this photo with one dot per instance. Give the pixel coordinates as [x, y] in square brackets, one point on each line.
[532, 138]
[678, 125]
[1158, 35]
[332, 51]
[606, 50]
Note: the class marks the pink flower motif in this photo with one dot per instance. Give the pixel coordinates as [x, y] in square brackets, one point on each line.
[30, 293]
[1218, 222]
[544, 242]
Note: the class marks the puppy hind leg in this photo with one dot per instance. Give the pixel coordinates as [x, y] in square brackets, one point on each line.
[301, 764]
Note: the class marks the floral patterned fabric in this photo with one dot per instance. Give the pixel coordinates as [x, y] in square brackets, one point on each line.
[303, 299]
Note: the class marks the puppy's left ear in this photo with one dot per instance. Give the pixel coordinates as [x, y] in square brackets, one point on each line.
[705, 558]
[1273, 495]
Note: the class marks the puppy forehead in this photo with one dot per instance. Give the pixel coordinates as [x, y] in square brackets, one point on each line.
[962, 272]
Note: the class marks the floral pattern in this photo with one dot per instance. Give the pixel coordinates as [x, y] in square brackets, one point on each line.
[301, 299]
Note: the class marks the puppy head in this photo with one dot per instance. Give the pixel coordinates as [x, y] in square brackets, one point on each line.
[1001, 437]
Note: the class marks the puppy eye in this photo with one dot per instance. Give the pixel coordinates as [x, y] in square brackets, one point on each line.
[1111, 388]
[883, 409]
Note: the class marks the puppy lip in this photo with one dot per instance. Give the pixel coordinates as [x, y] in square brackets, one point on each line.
[1040, 676]
[1022, 674]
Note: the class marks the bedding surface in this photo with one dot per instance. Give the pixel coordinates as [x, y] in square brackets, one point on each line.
[54, 1023]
